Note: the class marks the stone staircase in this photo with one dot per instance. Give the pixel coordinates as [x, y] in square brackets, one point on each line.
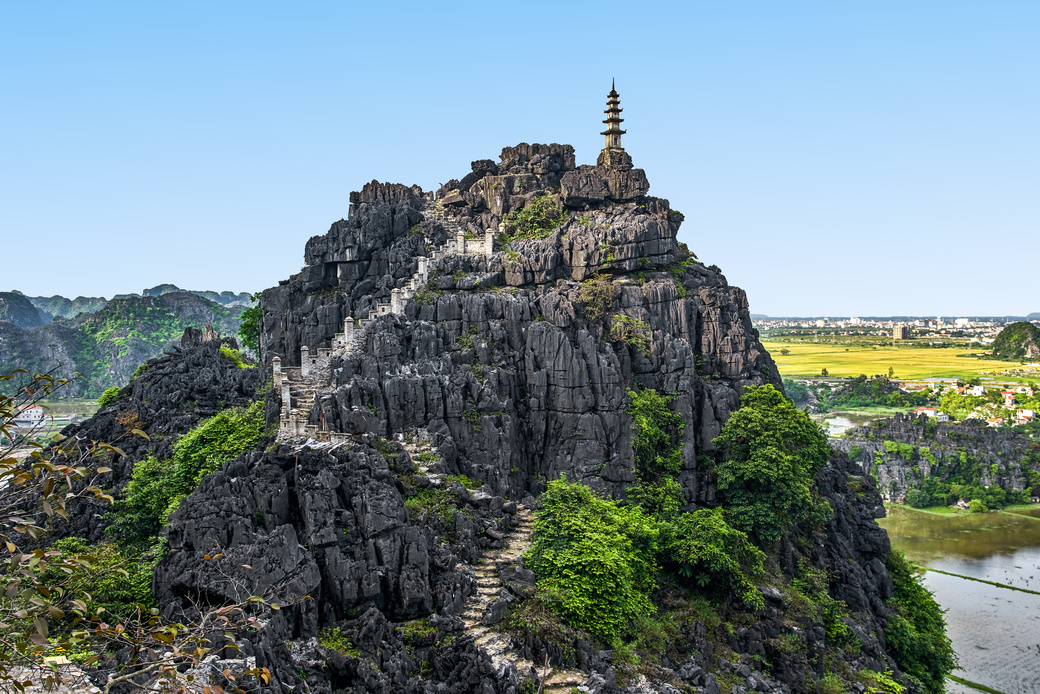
[304, 383]
[489, 585]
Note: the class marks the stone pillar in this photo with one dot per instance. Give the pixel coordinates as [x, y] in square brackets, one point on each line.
[286, 399]
[305, 361]
[397, 302]
[276, 370]
[423, 268]
[460, 241]
[489, 241]
[348, 331]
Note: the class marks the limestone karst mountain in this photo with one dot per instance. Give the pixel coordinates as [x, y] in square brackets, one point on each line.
[106, 347]
[439, 359]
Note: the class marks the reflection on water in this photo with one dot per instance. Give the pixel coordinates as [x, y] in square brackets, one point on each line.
[838, 423]
[996, 632]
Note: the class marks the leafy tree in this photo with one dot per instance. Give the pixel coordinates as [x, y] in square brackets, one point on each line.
[977, 506]
[916, 632]
[823, 371]
[595, 560]
[784, 351]
[771, 454]
[918, 498]
[702, 547]
[249, 330]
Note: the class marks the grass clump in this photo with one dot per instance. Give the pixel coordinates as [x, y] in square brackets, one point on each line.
[431, 503]
[332, 638]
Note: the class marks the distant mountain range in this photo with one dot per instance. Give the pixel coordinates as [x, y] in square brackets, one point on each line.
[17, 308]
[105, 344]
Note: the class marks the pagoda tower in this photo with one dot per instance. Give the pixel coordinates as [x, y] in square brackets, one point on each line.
[613, 154]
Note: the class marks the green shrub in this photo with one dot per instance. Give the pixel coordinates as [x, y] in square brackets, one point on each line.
[656, 432]
[332, 638]
[434, 502]
[156, 487]
[978, 506]
[881, 683]
[539, 218]
[595, 560]
[772, 453]
[234, 356]
[916, 631]
[108, 396]
[596, 297]
[118, 580]
[703, 548]
[632, 331]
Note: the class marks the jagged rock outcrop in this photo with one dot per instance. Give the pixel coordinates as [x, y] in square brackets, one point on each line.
[512, 367]
[171, 394]
[970, 452]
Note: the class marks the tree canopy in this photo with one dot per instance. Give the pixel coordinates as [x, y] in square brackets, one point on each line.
[771, 454]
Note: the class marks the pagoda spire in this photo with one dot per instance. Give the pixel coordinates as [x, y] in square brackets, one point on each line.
[613, 153]
[614, 120]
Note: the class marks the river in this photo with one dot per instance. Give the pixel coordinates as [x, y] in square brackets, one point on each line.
[995, 630]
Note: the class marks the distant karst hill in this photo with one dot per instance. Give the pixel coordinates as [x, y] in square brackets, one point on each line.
[19, 310]
[1018, 341]
[15, 307]
[106, 347]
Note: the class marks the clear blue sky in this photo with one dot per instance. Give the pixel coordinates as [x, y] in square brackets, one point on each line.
[831, 157]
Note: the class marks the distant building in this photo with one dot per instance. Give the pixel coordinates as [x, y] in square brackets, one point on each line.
[977, 391]
[29, 416]
[821, 323]
[1009, 398]
[932, 412]
[901, 332]
[962, 322]
[994, 421]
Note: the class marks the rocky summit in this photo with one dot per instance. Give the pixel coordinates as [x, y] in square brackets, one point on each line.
[440, 361]
[434, 347]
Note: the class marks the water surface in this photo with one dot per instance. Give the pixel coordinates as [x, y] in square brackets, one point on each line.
[995, 631]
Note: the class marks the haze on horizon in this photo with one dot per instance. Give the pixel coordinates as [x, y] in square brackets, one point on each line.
[832, 160]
